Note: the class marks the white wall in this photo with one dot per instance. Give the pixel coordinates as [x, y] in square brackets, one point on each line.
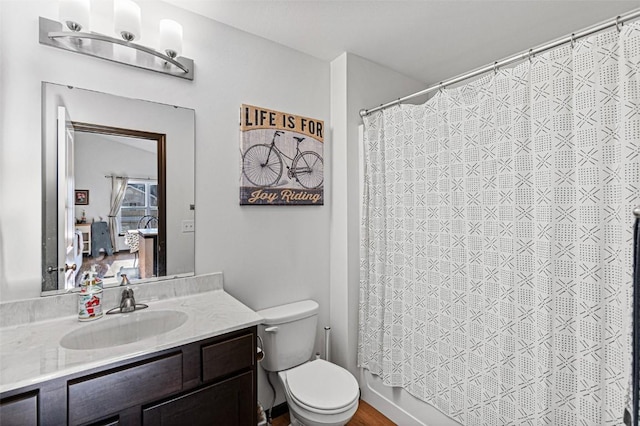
[269, 255]
[357, 83]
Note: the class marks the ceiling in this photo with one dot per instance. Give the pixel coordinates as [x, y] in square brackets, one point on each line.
[429, 40]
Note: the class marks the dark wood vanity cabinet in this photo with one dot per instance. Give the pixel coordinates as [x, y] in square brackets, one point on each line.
[22, 409]
[226, 403]
[212, 381]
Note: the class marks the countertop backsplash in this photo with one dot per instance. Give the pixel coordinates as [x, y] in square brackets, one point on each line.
[61, 305]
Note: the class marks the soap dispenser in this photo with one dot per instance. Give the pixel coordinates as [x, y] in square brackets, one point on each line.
[95, 279]
[90, 297]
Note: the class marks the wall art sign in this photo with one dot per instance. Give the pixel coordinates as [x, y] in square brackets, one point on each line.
[282, 161]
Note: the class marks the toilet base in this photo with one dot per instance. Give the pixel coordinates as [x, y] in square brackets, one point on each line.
[329, 420]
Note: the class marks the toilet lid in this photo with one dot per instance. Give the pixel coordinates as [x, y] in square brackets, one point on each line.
[322, 385]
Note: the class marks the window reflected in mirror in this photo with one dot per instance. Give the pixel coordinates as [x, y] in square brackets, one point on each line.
[140, 206]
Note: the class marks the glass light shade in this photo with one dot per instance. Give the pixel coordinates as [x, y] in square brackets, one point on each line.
[126, 15]
[170, 37]
[75, 14]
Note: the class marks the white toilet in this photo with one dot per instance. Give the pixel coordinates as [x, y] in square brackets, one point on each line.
[318, 392]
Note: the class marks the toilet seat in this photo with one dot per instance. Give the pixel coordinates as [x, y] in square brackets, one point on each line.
[333, 388]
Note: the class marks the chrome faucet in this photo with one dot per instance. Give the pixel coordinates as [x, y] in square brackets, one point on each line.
[127, 302]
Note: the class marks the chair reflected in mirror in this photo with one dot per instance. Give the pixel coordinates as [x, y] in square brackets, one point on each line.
[148, 222]
[142, 241]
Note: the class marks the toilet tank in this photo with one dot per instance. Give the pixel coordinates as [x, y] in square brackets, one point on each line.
[289, 334]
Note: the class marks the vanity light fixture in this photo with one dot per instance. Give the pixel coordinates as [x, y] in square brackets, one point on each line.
[127, 19]
[171, 37]
[75, 16]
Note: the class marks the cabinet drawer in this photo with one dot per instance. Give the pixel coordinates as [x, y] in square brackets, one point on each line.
[227, 357]
[228, 403]
[111, 392]
[22, 410]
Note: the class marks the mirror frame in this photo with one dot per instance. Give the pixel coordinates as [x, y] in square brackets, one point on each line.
[157, 120]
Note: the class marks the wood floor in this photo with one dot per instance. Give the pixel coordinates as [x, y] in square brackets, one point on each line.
[365, 416]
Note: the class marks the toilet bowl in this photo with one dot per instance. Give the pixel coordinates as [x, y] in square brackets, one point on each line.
[320, 393]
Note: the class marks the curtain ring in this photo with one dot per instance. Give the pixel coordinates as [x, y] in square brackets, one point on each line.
[530, 55]
[572, 40]
[440, 87]
[495, 68]
[618, 23]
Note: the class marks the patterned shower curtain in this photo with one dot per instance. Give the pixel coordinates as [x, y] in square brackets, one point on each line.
[496, 248]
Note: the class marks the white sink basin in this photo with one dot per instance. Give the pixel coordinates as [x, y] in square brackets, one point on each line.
[121, 329]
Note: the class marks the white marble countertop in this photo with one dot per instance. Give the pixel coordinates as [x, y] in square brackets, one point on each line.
[31, 353]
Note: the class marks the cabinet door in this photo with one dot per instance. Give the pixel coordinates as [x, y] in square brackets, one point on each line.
[98, 396]
[19, 411]
[226, 403]
[227, 357]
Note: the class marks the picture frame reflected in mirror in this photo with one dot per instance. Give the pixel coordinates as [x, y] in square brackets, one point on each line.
[82, 197]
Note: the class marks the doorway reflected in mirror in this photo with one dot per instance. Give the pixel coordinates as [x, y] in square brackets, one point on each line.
[121, 205]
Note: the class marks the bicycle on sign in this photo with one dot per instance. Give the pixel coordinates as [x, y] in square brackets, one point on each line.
[263, 165]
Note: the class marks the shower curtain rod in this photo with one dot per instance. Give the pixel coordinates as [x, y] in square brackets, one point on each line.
[509, 60]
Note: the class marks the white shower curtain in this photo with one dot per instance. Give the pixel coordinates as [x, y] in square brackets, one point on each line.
[497, 235]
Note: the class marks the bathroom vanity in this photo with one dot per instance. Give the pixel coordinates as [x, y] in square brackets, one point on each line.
[201, 372]
[199, 383]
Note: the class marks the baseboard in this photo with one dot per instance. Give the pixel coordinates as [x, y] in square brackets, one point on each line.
[279, 410]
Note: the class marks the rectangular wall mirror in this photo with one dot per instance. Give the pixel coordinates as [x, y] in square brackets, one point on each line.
[118, 188]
